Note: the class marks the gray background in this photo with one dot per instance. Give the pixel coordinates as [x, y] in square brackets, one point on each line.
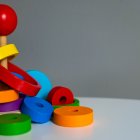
[91, 46]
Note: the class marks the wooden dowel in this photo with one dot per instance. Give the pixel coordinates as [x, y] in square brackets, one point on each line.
[3, 41]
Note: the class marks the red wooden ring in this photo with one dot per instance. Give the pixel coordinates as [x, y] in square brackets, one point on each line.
[28, 86]
[60, 96]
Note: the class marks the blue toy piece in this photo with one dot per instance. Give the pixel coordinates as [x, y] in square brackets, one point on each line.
[38, 109]
[18, 75]
[43, 80]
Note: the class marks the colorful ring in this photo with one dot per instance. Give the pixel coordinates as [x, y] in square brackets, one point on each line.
[60, 96]
[28, 86]
[11, 106]
[38, 109]
[73, 116]
[43, 80]
[8, 51]
[8, 96]
[14, 124]
[75, 103]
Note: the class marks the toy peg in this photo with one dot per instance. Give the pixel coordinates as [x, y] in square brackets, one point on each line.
[8, 23]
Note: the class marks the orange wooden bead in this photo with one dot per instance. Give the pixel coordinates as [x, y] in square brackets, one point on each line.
[73, 116]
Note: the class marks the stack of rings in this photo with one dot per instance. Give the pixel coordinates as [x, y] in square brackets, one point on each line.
[11, 106]
[8, 51]
[28, 86]
[67, 110]
[11, 121]
[61, 96]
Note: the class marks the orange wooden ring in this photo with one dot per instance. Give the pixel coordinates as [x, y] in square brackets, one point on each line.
[73, 116]
[8, 96]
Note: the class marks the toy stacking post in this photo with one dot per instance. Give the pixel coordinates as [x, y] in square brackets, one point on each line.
[8, 23]
[3, 42]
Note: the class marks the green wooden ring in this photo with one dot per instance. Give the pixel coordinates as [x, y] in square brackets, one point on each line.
[75, 103]
[14, 124]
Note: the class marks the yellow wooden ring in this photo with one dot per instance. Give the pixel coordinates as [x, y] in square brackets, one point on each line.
[73, 116]
[8, 51]
[8, 96]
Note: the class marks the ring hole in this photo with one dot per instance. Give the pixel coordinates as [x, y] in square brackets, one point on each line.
[76, 110]
[11, 118]
[14, 118]
[39, 105]
[63, 100]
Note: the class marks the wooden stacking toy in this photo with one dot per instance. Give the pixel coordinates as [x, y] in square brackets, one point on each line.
[28, 96]
[12, 79]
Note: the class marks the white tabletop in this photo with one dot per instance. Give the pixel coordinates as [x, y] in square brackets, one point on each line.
[115, 119]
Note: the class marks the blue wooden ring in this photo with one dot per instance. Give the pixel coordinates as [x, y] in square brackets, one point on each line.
[18, 75]
[38, 109]
[43, 80]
